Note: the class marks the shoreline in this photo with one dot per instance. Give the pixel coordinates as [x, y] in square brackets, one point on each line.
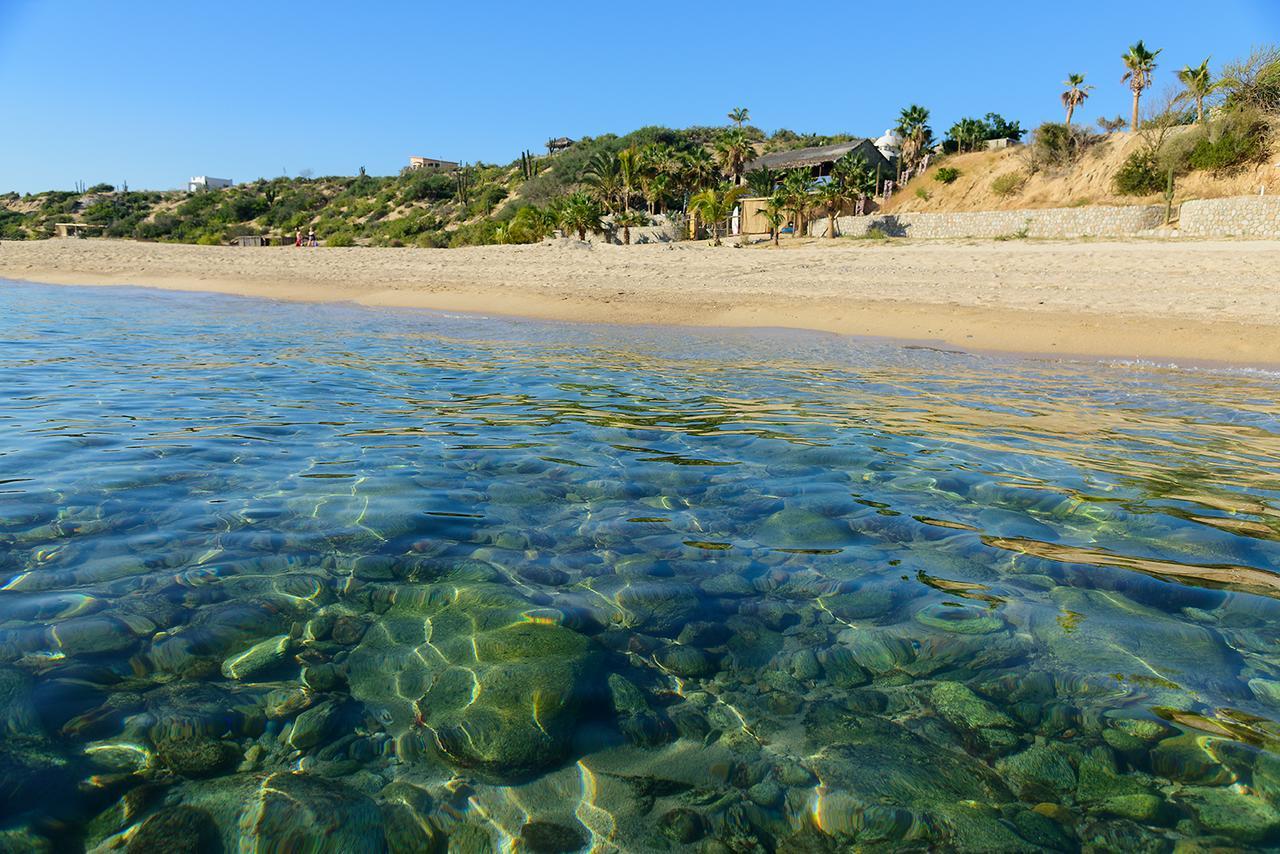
[1211, 303]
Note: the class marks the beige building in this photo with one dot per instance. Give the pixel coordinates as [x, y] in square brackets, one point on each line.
[432, 164]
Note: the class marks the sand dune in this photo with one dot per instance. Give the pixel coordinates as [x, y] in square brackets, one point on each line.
[1203, 301]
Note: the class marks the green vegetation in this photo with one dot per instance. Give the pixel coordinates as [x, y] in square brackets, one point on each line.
[971, 134]
[1056, 145]
[946, 175]
[1009, 184]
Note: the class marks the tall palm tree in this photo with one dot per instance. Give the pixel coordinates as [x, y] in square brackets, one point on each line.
[715, 207]
[733, 150]
[762, 181]
[629, 169]
[603, 176]
[913, 128]
[1198, 85]
[1077, 93]
[696, 170]
[854, 172]
[1139, 64]
[795, 189]
[581, 213]
[774, 212]
[739, 116]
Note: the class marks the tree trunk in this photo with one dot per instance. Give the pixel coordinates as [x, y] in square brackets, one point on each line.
[1071, 108]
[1137, 93]
[582, 235]
[626, 235]
[831, 225]
[1199, 110]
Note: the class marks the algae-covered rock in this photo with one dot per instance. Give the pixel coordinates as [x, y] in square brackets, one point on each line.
[178, 828]
[1188, 759]
[267, 813]
[797, 528]
[195, 756]
[512, 711]
[1244, 818]
[1039, 773]
[637, 720]
[685, 661]
[965, 709]
[257, 659]
[549, 837]
[18, 715]
[1142, 808]
[960, 619]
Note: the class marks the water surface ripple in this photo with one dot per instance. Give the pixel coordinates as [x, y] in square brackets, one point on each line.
[294, 577]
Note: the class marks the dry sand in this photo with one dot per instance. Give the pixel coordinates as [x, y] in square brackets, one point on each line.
[1187, 301]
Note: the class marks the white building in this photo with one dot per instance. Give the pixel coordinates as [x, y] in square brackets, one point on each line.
[204, 182]
[433, 165]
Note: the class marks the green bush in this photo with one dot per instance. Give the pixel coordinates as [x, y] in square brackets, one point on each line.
[1008, 184]
[1231, 145]
[923, 194]
[209, 239]
[1140, 174]
[1056, 144]
[340, 238]
[946, 175]
[102, 188]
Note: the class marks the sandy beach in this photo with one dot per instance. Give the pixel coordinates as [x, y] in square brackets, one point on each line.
[1186, 301]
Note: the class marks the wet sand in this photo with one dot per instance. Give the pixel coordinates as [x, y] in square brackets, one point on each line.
[1201, 301]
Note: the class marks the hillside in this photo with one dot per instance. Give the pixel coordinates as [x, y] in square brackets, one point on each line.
[1088, 181]
[480, 204]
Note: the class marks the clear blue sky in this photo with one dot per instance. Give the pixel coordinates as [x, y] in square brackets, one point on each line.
[152, 92]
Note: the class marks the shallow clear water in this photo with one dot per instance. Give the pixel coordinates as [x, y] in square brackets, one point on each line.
[302, 575]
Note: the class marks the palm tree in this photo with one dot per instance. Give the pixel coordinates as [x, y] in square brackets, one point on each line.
[1198, 84]
[832, 196]
[580, 213]
[774, 212]
[795, 189]
[968, 134]
[733, 150]
[739, 116]
[603, 175]
[715, 207]
[629, 169]
[913, 128]
[762, 181]
[1139, 64]
[853, 172]
[627, 220]
[1077, 93]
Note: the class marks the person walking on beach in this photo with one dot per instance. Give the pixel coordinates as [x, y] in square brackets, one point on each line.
[311, 237]
[297, 237]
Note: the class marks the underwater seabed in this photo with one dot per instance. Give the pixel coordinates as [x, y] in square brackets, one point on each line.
[316, 578]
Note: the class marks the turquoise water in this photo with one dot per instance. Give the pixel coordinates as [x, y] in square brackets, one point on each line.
[291, 577]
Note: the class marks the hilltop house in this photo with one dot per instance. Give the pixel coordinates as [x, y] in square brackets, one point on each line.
[204, 182]
[558, 144]
[433, 164]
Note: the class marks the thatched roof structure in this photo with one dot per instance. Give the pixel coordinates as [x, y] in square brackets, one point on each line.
[802, 158]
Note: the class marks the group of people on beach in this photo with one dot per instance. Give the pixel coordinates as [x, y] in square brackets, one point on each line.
[309, 240]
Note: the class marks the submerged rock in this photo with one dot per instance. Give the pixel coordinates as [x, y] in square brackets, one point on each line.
[263, 813]
[797, 528]
[1242, 817]
[257, 659]
[965, 709]
[1039, 773]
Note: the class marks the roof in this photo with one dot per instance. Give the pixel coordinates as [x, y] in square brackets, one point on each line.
[801, 157]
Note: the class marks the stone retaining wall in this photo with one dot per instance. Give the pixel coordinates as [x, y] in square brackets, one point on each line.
[1243, 216]
[1085, 221]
